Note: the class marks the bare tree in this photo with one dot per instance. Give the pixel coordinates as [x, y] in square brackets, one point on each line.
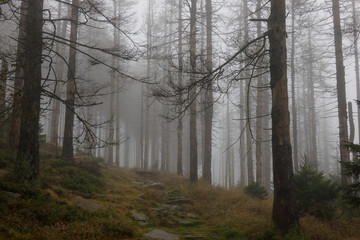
[193, 132]
[209, 101]
[340, 86]
[68, 148]
[284, 215]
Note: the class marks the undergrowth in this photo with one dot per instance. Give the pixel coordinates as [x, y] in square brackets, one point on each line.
[47, 210]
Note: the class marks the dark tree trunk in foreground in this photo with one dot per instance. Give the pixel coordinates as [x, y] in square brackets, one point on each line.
[68, 148]
[284, 215]
[193, 132]
[340, 87]
[209, 96]
[27, 160]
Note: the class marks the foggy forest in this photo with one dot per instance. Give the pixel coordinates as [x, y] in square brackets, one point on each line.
[228, 103]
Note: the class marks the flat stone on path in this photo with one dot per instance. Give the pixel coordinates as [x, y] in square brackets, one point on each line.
[141, 218]
[88, 205]
[157, 234]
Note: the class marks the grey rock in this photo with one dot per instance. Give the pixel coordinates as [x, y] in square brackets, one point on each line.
[142, 219]
[157, 234]
[88, 205]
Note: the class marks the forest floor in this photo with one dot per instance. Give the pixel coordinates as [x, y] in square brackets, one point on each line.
[89, 200]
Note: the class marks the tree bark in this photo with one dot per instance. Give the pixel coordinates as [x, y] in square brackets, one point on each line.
[179, 165]
[209, 101]
[193, 132]
[68, 148]
[259, 109]
[27, 160]
[340, 86]
[14, 135]
[293, 93]
[284, 215]
[356, 55]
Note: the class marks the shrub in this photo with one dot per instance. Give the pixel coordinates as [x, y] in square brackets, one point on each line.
[314, 193]
[256, 190]
[351, 192]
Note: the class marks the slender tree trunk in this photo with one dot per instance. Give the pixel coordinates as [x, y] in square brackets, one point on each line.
[340, 86]
[250, 164]
[284, 215]
[148, 72]
[14, 135]
[27, 160]
[313, 141]
[356, 55]
[259, 109]
[209, 101]
[193, 132]
[179, 166]
[351, 123]
[228, 157]
[68, 148]
[59, 70]
[293, 94]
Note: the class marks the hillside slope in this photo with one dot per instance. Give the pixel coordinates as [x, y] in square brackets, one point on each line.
[89, 200]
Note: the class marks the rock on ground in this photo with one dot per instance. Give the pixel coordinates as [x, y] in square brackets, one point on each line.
[91, 206]
[159, 235]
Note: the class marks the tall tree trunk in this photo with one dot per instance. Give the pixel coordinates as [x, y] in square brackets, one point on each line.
[312, 113]
[356, 53]
[209, 101]
[148, 72]
[340, 86]
[228, 156]
[59, 70]
[27, 160]
[293, 94]
[250, 164]
[14, 135]
[284, 215]
[179, 166]
[259, 108]
[193, 132]
[68, 148]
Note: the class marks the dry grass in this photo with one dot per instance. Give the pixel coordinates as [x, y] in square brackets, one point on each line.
[222, 214]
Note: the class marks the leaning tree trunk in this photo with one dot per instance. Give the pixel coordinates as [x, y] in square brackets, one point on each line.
[193, 132]
[27, 160]
[68, 148]
[340, 87]
[284, 215]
